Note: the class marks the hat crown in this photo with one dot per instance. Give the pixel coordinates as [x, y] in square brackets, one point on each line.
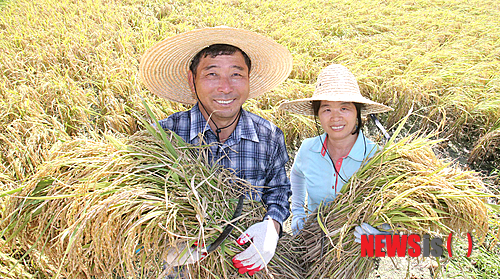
[335, 80]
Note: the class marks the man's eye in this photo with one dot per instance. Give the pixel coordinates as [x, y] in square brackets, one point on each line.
[211, 74]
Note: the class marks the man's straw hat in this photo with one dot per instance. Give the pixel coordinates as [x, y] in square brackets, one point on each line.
[335, 83]
[164, 67]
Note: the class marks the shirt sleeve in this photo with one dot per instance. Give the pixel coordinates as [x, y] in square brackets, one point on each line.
[298, 183]
[277, 193]
[167, 123]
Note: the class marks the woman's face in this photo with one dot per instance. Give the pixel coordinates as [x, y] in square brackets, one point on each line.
[338, 119]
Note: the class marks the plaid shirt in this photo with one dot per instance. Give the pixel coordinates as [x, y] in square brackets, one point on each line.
[255, 151]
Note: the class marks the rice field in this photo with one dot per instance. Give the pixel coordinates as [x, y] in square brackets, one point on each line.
[69, 72]
[440, 56]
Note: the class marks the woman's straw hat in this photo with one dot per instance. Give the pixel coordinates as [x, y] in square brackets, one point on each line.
[164, 67]
[335, 83]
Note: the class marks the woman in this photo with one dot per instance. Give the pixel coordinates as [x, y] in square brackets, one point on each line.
[325, 163]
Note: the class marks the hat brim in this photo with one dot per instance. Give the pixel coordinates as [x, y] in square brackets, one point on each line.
[304, 106]
[164, 67]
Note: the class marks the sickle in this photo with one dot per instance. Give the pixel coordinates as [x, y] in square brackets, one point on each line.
[227, 230]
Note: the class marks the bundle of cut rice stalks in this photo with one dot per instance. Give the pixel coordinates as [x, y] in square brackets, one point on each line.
[112, 207]
[12, 268]
[17, 264]
[406, 186]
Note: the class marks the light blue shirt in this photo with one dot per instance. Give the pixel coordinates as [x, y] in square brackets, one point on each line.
[313, 174]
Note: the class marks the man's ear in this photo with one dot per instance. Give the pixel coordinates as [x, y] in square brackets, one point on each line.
[190, 78]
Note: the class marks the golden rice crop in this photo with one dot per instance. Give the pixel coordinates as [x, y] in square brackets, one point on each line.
[103, 207]
[17, 264]
[487, 146]
[406, 186]
[10, 268]
[95, 201]
[25, 144]
[77, 60]
[71, 69]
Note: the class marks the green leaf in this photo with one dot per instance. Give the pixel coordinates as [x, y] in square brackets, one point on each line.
[163, 135]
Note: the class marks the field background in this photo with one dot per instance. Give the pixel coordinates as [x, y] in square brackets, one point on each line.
[70, 68]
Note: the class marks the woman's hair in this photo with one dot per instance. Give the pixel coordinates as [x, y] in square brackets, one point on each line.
[359, 107]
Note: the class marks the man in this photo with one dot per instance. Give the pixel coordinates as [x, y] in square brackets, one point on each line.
[217, 70]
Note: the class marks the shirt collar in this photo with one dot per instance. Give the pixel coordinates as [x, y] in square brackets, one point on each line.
[357, 151]
[244, 130]
[198, 123]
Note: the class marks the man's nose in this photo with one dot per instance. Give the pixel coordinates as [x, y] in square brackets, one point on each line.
[225, 85]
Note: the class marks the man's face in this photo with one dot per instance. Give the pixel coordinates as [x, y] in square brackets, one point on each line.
[222, 83]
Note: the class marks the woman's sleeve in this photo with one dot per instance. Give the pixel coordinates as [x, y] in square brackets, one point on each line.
[298, 184]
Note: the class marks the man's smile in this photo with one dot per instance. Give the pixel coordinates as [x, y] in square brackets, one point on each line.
[224, 102]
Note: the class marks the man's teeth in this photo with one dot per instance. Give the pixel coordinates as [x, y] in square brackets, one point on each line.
[336, 128]
[223, 102]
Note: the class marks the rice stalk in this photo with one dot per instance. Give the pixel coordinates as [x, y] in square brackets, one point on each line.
[15, 263]
[25, 143]
[113, 207]
[10, 268]
[89, 186]
[487, 146]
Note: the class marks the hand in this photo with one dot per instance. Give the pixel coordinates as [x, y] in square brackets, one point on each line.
[367, 230]
[181, 256]
[264, 236]
[297, 225]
